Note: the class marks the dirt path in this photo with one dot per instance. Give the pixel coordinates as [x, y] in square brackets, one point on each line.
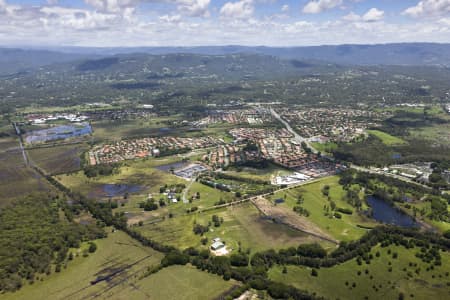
[290, 218]
[186, 190]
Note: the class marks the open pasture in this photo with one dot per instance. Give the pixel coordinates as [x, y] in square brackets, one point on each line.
[140, 173]
[58, 159]
[436, 134]
[258, 174]
[386, 138]
[8, 143]
[374, 280]
[16, 178]
[325, 147]
[344, 229]
[208, 198]
[242, 225]
[120, 129]
[177, 283]
[117, 256]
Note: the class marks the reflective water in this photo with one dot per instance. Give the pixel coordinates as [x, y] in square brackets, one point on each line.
[385, 213]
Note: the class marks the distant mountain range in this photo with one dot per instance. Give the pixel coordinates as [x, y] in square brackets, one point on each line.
[409, 54]
[14, 60]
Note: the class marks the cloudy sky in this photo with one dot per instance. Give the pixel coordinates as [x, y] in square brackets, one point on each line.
[221, 22]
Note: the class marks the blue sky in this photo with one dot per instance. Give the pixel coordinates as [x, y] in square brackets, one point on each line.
[221, 22]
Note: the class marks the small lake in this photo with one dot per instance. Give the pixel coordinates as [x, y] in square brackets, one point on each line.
[59, 133]
[165, 130]
[385, 213]
[114, 190]
[175, 166]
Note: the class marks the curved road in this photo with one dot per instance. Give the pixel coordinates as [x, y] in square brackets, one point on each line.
[298, 138]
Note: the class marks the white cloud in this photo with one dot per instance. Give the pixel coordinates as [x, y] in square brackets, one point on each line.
[372, 15]
[237, 10]
[125, 24]
[429, 8]
[194, 8]
[352, 17]
[285, 8]
[170, 19]
[113, 6]
[76, 19]
[318, 6]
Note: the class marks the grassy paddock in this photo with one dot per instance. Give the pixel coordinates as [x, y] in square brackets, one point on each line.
[114, 252]
[331, 282]
[17, 179]
[386, 138]
[344, 229]
[208, 197]
[438, 134]
[242, 224]
[258, 174]
[139, 172]
[325, 147]
[58, 159]
[177, 282]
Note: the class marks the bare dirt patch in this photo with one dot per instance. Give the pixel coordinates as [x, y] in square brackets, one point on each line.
[285, 216]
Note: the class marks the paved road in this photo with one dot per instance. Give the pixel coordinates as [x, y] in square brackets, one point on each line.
[298, 138]
[372, 171]
[24, 154]
[263, 195]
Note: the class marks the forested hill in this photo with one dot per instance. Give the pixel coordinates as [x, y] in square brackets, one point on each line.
[14, 60]
[417, 54]
[193, 78]
[382, 54]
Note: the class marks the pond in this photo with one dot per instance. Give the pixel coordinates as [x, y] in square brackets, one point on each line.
[58, 133]
[174, 166]
[383, 212]
[165, 130]
[114, 190]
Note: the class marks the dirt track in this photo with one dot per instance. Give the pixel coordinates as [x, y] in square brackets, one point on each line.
[285, 216]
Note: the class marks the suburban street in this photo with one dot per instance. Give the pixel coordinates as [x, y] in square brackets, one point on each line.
[299, 139]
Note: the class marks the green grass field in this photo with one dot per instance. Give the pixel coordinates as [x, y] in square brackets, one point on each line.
[242, 223]
[259, 174]
[439, 134]
[434, 110]
[177, 282]
[426, 207]
[8, 143]
[386, 138]
[114, 252]
[325, 147]
[116, 130]
[208, 197]
[138, 172]
[344, 229]
[144, 174]
[17, 179]
[58, 159]
[378, 283]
